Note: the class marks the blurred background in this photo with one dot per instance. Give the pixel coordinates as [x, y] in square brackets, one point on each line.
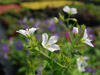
[21, 14]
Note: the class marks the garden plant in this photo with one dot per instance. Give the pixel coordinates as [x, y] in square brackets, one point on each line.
[62, 48]
[65, 57]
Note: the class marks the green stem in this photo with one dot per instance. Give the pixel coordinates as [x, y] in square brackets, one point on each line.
[50, 58]
[68, 20]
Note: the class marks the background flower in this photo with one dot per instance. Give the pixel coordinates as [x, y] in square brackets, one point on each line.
[18, 45]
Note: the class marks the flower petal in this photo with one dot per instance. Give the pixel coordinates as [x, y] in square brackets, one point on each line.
[73, 11]
[53, 47]
[44, 39]
[85, 36]
[52, 40]
[22, 32]
[86, 58]
[81, 63]
[75, 30]
[66, 9]
[32, 30]
[88, 42]
[81, 66]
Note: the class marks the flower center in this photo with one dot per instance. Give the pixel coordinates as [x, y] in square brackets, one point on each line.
[48, 45]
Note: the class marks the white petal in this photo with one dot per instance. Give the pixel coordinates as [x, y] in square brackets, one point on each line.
[87, 41]
[22, 32]
[73, 11]
[32, 30]
[75, 30]
[86, 58]
[52, 40]
[81, 69]
[81, 65]
[66, 9]
[44, 39]
[53, 47]
[78, 59]
[85, 36]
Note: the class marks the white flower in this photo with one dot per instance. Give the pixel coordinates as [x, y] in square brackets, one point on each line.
[27, 31]
[69, 10]
[81, 63]
[50, 44]
[75, 30]
[86, 39]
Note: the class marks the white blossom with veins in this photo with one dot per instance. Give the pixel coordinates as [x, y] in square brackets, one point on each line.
[75, 30]
[69, 10]
[27, 31]
[50, 44]
[81, 63]
[86, 39]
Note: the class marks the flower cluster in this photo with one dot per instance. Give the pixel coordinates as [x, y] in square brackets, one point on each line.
[50, 45]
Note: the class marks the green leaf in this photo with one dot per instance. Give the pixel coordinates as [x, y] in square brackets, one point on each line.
[45, 63]
[61, 16]
[22, 69]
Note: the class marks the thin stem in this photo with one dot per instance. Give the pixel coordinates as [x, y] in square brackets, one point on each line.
[51, 59]
[68, 20]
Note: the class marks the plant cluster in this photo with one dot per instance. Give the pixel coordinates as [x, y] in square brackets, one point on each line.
[50, 58]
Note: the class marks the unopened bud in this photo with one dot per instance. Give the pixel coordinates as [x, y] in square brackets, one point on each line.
[75, 20]
[75, 30]
[55, 19]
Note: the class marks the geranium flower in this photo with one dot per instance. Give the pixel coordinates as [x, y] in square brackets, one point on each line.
[50, 44]
[27, 31]
[6, 50]
[52, 28]
[82, 64]
[75, 30]
[69, 10]
[86, 39]
[91, 70]
[18, 45]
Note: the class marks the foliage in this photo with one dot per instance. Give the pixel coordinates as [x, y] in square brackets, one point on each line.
[36, 59]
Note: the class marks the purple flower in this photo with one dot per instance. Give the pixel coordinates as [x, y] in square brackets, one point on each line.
[27, 40]
[11, 40]
[40, 71]
[31, 19]
[19, 22]
[91, 36]
[91, 70]
[5, 55]
[25, 26]
[51, 22]
[18, 45]
[6, 48]
[56, 34]
[45, 21]
[52, 28]
[38, 37]
[37, 24]
[60, 22]
[90, 32]
[24, 20]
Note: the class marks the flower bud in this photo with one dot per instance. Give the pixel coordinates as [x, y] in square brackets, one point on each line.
[55, 19]
[75, 20]
[75, 30]
[83, 27]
